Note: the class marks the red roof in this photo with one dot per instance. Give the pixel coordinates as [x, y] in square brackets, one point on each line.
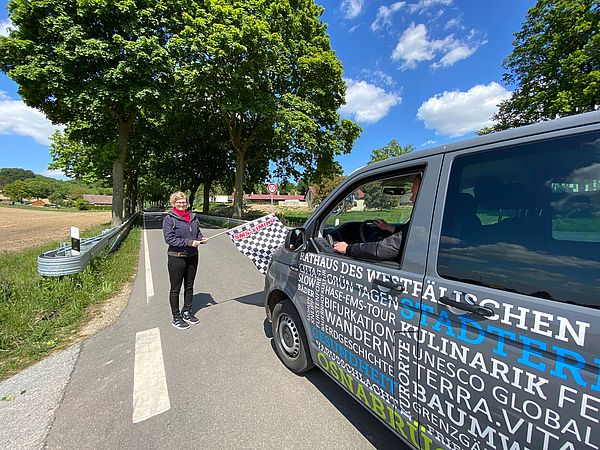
[98, 199]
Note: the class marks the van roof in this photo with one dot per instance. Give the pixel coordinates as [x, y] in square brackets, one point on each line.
[565, 123]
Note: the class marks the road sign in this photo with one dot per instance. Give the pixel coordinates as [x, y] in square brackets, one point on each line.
[272, 188]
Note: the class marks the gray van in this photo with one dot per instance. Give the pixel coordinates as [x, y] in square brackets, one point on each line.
[469, 319]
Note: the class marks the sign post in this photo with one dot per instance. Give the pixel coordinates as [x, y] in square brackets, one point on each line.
[272, 189]
[75, 241]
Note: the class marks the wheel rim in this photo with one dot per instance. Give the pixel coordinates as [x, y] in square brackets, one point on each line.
[288, 336]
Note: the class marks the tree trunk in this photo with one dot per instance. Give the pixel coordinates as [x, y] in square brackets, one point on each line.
[117, 172]
[206, 195]
[238, 199]
[131, 193]
[193, 190]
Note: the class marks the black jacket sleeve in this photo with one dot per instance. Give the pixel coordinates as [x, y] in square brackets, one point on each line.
[387, 249]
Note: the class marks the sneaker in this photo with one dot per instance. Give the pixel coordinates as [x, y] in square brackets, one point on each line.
[189, 317]
[180, 324]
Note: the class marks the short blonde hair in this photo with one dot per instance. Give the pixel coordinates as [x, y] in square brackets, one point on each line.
[177, 196]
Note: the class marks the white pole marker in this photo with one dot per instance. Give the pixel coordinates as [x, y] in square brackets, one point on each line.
[75, 241]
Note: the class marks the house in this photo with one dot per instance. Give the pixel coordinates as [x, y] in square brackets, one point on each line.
[309, 198]
[39, 202]
[294, 201]
[98, 200]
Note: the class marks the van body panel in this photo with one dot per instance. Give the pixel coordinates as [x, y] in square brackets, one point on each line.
[527, 375]
[486, 333]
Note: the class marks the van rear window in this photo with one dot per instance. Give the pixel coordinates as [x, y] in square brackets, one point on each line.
[526, 219]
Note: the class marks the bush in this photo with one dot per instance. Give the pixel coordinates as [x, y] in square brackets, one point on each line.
[81, 204]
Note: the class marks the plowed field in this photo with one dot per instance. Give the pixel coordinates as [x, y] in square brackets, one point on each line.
[23, 228]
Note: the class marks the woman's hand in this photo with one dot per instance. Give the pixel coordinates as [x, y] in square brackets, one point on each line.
[196, 243]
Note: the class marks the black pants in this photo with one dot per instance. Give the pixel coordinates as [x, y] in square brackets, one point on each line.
[181, 270]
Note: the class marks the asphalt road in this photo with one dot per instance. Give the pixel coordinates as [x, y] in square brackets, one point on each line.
[224, 385]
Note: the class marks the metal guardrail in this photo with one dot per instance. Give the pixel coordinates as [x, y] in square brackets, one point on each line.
[61, 262]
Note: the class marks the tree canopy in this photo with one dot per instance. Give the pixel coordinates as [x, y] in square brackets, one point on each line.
[391, 150]
[8, 175]
[267, 69]
[555, 64]
[255, 83]
[91, 64]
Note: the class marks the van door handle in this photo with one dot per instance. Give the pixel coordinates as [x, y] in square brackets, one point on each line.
[385, 284]
[475, 309]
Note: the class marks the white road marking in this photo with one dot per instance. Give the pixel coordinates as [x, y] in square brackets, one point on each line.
[150, 393]
[149, 281]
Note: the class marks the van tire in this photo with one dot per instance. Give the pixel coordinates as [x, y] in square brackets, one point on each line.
[289, 338]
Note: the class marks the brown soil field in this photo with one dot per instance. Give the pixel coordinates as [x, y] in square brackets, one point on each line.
[24, 228]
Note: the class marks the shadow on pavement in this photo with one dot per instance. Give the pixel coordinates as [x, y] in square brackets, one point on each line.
[202, 300]
[256, 299]
[268, 328]
[153, 221]
[370, 427]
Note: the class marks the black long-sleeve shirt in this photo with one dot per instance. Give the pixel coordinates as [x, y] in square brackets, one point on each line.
[387, 249]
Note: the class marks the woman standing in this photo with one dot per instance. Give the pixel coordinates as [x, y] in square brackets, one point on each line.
[182, 233]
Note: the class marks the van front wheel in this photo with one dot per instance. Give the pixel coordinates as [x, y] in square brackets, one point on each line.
[290, 338]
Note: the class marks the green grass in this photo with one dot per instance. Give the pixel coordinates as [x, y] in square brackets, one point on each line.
[41, 314]
[398, 215]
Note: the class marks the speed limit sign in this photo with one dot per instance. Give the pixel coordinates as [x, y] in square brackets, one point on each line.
[272, 188]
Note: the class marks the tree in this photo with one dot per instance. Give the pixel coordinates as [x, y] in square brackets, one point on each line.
[38, 188]
[325, 186]
[94, 66]
[8, 175]
[80, 161]
[390, 150]
[555, 64]
[267, 69]
[376, 199]
[17, 190]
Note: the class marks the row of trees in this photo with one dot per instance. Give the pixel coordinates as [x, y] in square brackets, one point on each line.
[18, 184]
[181, 93]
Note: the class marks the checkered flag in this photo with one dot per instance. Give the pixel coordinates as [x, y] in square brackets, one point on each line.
[259, 239]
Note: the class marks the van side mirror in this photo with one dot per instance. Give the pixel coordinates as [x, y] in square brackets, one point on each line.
[295, 239]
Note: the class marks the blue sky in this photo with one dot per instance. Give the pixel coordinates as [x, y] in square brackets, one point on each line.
[423, 72]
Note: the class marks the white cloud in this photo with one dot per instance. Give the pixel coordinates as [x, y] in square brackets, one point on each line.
[423, 5]
[456, 113]
[455, 22]
[351, 8]
[18, 118]
[454, 55]
[428, 143]
[4, 26]
[384, 15]
[378, 77]
[366, 102]
[415, 46]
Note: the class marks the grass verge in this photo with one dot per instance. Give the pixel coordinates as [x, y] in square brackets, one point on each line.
[39, 315]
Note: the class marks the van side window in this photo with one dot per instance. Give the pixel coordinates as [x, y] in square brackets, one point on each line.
[526, 219]
[373, 218]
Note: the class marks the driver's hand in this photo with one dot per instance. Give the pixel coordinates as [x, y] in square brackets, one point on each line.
[383, 225]
[340, 247]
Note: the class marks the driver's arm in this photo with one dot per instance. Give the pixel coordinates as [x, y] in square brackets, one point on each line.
[387, 249]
